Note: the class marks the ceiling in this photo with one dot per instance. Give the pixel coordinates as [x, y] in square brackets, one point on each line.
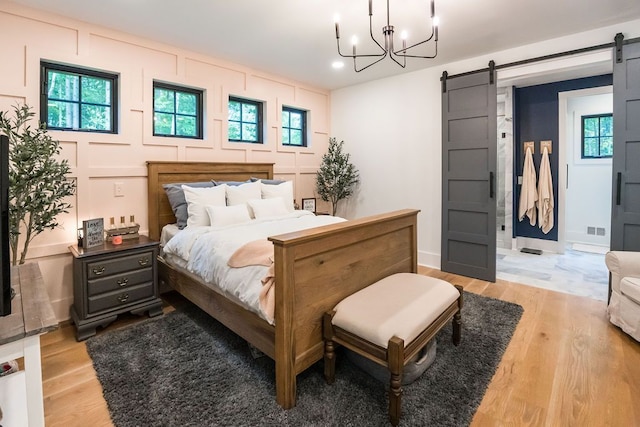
[296, 38]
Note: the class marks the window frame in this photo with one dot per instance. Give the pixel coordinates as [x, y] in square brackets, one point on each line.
[199, 93]
[288, 128]
[46, 66]
[599, 137]
[259, 123]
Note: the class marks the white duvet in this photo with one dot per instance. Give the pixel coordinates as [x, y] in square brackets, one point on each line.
[206, 251]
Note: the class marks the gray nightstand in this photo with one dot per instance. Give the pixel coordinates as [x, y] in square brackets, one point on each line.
[112, 279]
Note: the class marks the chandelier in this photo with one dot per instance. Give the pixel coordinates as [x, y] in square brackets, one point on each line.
[399, 56]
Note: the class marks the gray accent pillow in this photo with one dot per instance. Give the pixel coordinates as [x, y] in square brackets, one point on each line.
[178, 202]
[230, 183]
[268, 181]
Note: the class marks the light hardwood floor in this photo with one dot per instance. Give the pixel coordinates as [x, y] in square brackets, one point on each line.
[565, 366]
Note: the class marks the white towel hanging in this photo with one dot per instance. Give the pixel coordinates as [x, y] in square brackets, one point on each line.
[545, 194]
[528, 193]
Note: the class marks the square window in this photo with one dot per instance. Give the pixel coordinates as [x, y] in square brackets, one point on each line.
[78, 99]
[177, 111]
[294, 127]
[244, 120]
[597, 136]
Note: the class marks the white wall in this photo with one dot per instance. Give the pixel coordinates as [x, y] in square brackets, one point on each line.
[588, 197]
[392, 128]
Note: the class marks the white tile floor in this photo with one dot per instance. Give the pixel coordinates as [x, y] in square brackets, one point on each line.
[574, 272]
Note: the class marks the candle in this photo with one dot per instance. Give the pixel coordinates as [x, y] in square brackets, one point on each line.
[371, 8]
[337, 30]
[433, 8]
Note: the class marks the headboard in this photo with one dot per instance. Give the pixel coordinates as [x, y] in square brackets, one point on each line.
[159, 173]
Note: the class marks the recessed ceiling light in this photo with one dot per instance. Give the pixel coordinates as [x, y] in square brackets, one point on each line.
[337, 64]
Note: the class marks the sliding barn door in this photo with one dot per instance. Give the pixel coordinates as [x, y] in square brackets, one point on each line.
[468, 175]
[625, 214]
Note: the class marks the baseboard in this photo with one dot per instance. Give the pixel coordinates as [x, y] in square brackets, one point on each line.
[428, 259]
[595, 249]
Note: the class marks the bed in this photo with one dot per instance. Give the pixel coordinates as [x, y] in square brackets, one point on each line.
[314, 269]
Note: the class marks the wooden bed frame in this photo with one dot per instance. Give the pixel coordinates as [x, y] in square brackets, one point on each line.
[315, 269]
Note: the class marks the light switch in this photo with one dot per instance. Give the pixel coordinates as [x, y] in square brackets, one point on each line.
[118, 190]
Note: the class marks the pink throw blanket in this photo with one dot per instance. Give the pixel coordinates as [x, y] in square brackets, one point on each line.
[259, 252]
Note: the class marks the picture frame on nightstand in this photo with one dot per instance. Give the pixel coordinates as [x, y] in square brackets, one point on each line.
[309, 204]
[92, 233]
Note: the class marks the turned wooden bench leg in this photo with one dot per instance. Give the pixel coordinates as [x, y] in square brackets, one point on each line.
[395, 359]
[457, 319]
[329, 349]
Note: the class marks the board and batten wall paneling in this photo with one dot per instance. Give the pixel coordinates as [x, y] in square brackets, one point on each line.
[99, 161]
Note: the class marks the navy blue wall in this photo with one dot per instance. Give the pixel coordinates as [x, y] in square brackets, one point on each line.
[536, 119]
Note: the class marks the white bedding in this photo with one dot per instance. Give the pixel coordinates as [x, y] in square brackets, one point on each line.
[206, 251]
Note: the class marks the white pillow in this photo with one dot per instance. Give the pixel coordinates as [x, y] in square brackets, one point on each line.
[241, 194]
[283, 190]
[267, 208]
[198, 198]
[220, 216]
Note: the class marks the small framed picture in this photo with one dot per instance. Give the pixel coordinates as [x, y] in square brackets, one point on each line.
[309, 205]
[93, 233]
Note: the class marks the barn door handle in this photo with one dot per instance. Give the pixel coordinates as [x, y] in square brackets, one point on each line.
[491, 185]
[618, 188]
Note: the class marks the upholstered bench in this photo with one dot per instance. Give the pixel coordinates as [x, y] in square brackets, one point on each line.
[389, 322]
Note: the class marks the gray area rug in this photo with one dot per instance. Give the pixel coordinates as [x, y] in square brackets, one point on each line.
[186, 369]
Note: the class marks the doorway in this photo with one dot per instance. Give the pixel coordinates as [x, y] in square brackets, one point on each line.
[574, 263]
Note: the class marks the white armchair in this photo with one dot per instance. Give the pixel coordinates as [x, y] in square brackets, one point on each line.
[624, 304]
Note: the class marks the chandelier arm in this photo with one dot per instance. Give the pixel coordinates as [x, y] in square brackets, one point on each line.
[419, 56]
[373, 63]
[371, 34]
[417, 44]
[404, 59]
[378, 55]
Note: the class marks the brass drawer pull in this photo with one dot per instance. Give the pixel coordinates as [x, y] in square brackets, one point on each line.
[143, 261]
[98, 270]
[123, 298]
[123, 282]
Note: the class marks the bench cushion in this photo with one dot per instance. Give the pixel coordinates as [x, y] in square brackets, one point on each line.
[403, 304]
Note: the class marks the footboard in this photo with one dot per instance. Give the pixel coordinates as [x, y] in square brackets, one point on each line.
[317, 268]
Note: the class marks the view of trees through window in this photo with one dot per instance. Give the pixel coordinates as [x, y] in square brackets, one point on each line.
[294, 127]
[78, 99]
[245, 120]
[597, 136]
[176, 111]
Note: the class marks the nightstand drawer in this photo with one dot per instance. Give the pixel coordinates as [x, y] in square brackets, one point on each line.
[123, 281]
[120, 298]
[117, 265]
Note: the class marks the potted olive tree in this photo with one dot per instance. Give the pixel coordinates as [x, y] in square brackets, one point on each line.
[337, 177]
[38, 183]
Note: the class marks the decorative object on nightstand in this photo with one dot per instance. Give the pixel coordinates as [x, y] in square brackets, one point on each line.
[112, 279]
[125, 230]
[309, 204]
[92, 233]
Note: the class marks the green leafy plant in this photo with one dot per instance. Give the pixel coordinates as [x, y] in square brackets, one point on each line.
[337, 177]
[38, 181]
